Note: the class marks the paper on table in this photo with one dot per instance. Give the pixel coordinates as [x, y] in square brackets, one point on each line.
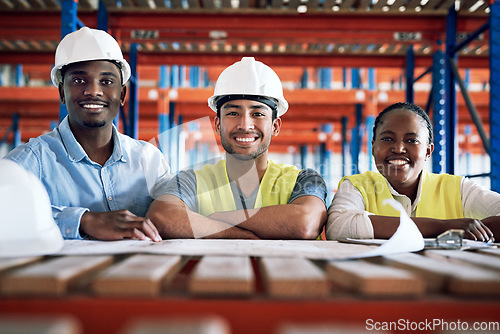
[406, 239]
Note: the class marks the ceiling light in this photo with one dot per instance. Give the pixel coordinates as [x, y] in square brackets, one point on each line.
[302, 9]
[475, 6]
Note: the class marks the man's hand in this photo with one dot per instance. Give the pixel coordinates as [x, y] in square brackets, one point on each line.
[115, 225]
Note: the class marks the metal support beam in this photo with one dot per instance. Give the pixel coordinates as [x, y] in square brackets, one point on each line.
[69, 19]
[470, 106]
[495, 96]
[438, 119]
[163, 126]
[163, 81]
[19, 75]
[181, 144]
[133, 113]
[303, 156]
[206, 79]
[194, 76]
[356, 139]
[194, 152]
[304, 79]
[102, 16]
[278, 59]
[175, 76]
[356, 78]
[427, 71]
[123, 120]
[15, 129]
[410, 70]
[325, 77]
[172, 137]
[325, 154]
[471, 37]
[370, 121]
[450, 94]
[372, 80]
[345, 121]
[69, 23]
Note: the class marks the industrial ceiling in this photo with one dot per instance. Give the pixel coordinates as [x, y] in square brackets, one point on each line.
[353, 33]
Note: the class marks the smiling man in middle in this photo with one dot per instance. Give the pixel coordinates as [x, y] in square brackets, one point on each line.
[247, 195]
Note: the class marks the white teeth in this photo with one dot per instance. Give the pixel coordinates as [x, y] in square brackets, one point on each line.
[92, 106]
[398, 162]
[246, 140]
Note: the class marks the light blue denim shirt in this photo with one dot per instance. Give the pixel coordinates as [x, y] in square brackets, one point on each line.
[133, 176]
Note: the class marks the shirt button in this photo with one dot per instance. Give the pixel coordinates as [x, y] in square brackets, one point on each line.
[110, 198]
[68, 231]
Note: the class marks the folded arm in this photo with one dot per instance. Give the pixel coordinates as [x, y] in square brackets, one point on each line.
[475, 229]
[348, 219]
[301, 219]
[174, 219]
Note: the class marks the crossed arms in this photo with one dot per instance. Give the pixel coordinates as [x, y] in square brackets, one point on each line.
[303, 218]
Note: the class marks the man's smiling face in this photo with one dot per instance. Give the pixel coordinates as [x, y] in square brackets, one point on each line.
[92, 92]
[246, 128]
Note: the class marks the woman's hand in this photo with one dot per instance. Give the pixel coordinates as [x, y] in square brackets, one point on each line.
[477, 230]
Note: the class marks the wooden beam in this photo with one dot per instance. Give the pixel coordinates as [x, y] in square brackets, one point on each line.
[223, 275]
[54, 277]
[139, 275]
[293, 277]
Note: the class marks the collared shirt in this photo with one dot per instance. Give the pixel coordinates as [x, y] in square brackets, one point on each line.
[133, 176]
[347, 217]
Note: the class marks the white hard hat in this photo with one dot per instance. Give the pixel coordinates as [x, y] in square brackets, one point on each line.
[87, 44]
[249, 77]
[27, 225]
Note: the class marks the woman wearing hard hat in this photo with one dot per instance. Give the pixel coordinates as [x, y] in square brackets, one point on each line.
[100, 182]
[246, 195]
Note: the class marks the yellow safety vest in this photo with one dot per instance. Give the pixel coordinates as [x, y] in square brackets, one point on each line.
[440, 195]
[215, 195]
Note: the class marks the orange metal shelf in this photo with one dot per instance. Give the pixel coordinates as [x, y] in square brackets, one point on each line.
[309, 109]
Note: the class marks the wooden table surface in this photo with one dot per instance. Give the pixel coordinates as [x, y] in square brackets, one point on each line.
[149, 293]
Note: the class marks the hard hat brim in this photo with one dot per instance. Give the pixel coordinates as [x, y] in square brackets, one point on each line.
[55, 73]
[282, 103]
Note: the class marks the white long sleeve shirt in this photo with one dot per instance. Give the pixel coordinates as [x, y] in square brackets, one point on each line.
[348, 218]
